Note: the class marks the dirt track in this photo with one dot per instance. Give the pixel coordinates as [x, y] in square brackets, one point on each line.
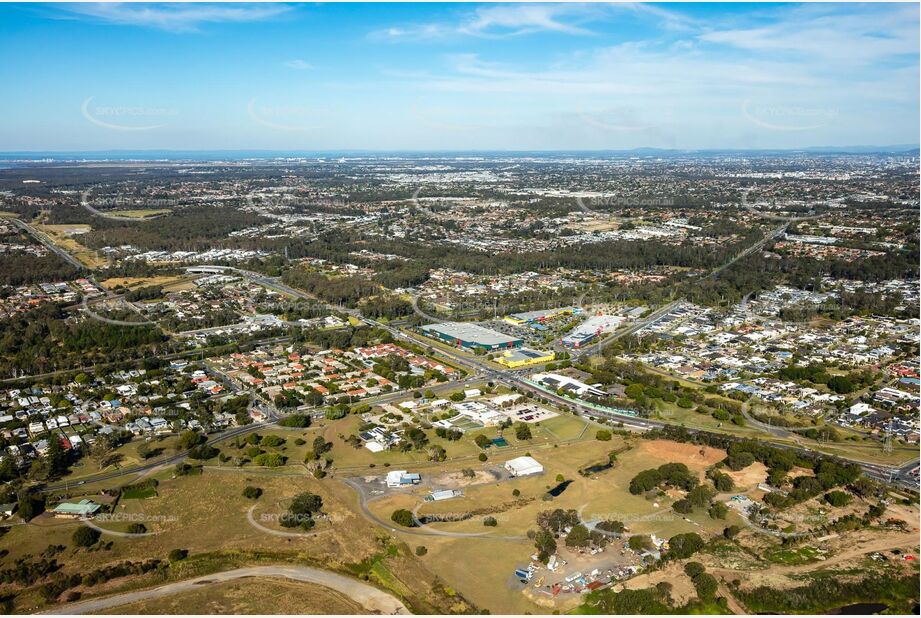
[374, 600]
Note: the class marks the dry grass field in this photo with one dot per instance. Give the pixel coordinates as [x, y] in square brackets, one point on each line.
[250, 596]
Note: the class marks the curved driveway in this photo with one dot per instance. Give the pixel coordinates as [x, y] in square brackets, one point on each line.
[374, 600]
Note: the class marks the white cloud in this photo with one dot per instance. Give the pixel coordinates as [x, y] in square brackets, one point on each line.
[173, 17]
[845, 34]
[509, 20]
[300, 65]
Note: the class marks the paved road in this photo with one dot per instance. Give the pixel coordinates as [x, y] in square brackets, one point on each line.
[631, 329]
[43, 239]
[231, 433]
[374, 600]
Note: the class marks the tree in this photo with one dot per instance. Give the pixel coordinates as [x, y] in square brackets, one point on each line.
[482, 441]
[683, 506]
[421, 550]
[604, 435]
[137, 528]
[523, 431]
[837, 498]
[189, 439]
[85, 536]
[634, 391]
[30, 505]
[295, 420]
[684, 545]
[611, 525]
[706, 586]
[693, 569]
[731, 532]
[721, 480]
[271, 441]
[545, 544]
[202, 452]
[305, 503]
[578, 536]
[718, 510]
[404, 518]
[491, 522]
[700, 496]
[639, 542]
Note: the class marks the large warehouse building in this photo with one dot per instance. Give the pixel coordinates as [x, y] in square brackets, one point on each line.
[468, 335]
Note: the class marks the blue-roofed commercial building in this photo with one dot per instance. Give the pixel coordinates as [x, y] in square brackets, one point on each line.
[471, 336]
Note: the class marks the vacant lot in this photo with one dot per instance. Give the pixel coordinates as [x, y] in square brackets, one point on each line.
[497, 551]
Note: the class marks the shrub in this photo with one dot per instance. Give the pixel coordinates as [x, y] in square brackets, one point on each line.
[271, 441]
[482, 457]
[251, 492]
[403, 518]
[421, 550]
[270, 460]
[175, 555]
[137, 528]
[85, 536]
[604, 435]
[491, 522]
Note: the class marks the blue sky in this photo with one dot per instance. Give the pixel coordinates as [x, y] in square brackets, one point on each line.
[457, 76]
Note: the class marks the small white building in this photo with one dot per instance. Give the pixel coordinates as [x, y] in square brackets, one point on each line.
[523, 466]
[402, 478]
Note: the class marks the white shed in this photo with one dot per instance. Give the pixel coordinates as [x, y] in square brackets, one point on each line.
[523, 466]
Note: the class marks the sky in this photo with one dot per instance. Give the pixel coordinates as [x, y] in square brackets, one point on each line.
[309, 77]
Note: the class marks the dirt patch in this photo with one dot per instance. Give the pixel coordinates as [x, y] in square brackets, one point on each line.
[748, 478]
[798, 472]
[695, 456]
[682, 587]
[457, 479]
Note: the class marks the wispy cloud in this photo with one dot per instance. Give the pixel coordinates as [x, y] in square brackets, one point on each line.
[829, 32]
[498, 21]
[174, 17]
[300, 65]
